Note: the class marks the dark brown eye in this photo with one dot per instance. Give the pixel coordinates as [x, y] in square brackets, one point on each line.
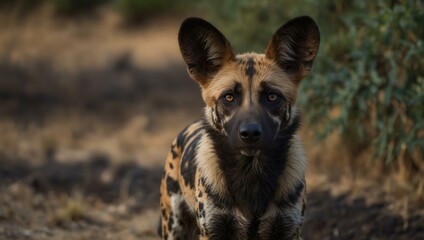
[229, 97]
[272, 97]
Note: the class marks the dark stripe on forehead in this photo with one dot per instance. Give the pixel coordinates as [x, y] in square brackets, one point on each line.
[250, 71]
[237, 88]
[250, 68]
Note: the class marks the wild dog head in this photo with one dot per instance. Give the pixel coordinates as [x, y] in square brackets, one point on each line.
[250, 97]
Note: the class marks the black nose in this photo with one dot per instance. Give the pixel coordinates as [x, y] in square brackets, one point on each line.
[250, 132]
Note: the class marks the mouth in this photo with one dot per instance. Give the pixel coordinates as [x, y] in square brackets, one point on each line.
[250, 152]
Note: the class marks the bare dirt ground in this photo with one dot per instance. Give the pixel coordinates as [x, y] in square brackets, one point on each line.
[88, 108]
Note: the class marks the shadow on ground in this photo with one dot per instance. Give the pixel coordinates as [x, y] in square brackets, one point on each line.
[113, 92]
[348, 217]
[95, 178]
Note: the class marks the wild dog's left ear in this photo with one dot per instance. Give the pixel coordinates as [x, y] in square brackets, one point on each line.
[205, 49]
[294, 47]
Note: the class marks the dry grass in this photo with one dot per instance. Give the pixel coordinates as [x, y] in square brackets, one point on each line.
[332, 166]
[73, 210]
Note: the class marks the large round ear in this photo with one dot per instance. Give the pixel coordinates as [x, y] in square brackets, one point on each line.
[294, 47]
[205, 49]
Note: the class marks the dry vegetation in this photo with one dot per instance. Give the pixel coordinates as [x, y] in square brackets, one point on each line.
[88, 109]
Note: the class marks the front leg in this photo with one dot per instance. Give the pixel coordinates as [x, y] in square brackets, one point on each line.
[217, 221]
[217, 224]
[280, 227]
[283, 223]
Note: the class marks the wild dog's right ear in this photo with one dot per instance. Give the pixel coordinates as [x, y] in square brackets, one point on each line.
[204, 49]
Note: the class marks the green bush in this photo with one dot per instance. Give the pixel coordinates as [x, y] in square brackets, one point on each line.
[134, 10]
[20, 6]
[247, 24]
[368, 82]
[371, 72]
[75, 6]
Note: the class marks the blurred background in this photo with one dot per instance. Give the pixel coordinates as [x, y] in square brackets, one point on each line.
[92, 92]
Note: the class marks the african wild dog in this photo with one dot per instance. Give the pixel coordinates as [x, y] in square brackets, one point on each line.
[238, 173]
